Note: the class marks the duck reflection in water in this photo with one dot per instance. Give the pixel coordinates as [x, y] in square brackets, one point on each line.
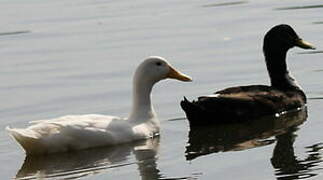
[237, 137]
[287, 165]
[78, 164]
[241, 136]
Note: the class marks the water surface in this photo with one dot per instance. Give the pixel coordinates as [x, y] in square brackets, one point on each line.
[77, 57]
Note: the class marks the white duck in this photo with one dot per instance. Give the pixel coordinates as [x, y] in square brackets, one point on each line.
[76, 132]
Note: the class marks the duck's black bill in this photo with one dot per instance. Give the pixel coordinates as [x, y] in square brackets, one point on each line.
[303, 44]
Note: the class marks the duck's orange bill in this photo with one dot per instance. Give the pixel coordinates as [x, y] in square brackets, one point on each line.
[174, 74]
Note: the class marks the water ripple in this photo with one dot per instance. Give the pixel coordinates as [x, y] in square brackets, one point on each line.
[225, 4]
[13, 33]
[311, 52]
[300, 7]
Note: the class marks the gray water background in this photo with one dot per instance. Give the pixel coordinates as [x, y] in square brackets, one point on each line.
[77, 57]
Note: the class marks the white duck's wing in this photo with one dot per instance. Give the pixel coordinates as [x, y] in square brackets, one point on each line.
[75, 117]
[73, 132]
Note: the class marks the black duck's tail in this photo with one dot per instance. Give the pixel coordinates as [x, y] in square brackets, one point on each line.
[186, 105]
[193, 112]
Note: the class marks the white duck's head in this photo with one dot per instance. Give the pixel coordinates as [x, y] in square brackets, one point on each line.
[155, 68]
[149, 72]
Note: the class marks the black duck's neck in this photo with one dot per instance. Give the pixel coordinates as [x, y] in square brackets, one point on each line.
[278, 72]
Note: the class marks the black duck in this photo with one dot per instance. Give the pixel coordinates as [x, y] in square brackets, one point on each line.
[243, 103]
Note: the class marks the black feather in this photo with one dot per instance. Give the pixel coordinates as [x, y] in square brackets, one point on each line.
[245, 103]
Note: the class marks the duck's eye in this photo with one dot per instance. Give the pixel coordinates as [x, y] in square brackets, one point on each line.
[158, 63]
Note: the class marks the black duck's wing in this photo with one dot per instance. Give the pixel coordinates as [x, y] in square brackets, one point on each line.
[258, 99]
[266, 97]
[245, 89]
[240, 103]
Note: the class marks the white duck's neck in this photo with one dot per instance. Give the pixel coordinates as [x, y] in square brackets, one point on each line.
[142, 109]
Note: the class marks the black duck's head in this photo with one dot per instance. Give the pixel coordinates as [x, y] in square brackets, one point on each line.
[281, 38]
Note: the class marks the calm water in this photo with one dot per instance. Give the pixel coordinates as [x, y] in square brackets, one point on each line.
[77, 57]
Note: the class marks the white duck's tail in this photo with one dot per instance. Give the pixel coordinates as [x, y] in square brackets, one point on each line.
[27, 139]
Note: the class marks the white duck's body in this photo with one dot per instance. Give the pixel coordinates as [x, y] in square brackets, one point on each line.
[75, 132]
[79, 132]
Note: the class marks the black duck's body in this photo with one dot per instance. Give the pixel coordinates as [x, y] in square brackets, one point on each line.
[243, 103]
